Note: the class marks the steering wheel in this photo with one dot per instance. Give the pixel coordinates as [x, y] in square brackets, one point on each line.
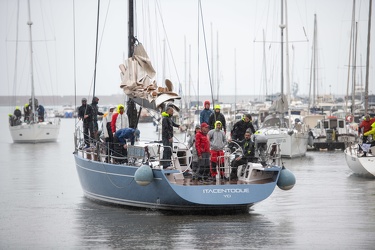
[235, 148]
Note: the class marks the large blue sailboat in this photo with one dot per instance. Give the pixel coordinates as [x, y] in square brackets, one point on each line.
[143, 182]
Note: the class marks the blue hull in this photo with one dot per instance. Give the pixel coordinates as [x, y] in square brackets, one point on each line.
[115, 184]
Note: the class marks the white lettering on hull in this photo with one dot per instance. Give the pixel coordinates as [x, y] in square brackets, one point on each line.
[226, 191]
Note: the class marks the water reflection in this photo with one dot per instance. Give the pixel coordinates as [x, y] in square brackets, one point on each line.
[42, 207]
[114, 227]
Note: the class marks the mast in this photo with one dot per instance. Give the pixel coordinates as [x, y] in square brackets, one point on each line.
[282, 26]
[212, 58]
[185, 69]
[313, 69]
[96, 47]
[264, 63]
[315, 61]
[31, 64]
[217, 66]
[131, 38]
[287, 64]
[354, 74]
[190, 82]
[350, 55]
[235, 83]
[368, 56]
[131, 107]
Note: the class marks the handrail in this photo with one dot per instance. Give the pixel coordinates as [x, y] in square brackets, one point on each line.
[104, 152]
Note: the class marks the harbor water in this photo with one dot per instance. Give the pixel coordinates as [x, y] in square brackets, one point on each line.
[42, 207]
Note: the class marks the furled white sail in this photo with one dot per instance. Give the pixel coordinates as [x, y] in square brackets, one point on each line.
[280, 105]
[137, 81]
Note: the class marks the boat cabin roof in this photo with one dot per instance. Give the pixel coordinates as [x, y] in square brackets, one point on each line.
[276, 120]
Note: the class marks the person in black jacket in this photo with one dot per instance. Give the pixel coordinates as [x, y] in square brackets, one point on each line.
[95, 113]
[85, 114]
[248, 155]
[167, 125]
[241, 126]
[217, 116]
[15, 119]
[27, 113]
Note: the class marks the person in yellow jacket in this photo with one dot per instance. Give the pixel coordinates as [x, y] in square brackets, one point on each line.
[371, 132]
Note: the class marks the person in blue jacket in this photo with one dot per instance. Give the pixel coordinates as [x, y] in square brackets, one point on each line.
[120, 139]
[206, 113]
[40, 113]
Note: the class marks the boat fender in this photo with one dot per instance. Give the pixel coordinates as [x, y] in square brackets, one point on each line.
[143, 176]
[287, 180]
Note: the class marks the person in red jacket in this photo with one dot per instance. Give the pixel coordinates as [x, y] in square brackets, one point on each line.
[202, 145]
[365, 126]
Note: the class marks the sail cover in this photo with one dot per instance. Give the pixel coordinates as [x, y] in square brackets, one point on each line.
[280, 105]
[138, 83]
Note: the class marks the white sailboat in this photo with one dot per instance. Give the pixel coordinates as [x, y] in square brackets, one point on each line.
[360, 163]
[276, 127]
[33, 129]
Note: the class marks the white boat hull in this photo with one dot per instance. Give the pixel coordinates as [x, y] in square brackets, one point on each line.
[35, 132]
[291, 146]
[359, 164]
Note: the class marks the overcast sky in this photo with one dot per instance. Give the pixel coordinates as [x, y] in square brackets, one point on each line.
[232, 40]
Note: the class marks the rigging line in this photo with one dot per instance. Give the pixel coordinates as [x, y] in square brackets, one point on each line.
[169, 47]
[293, 41]
[96, 46]
[368, 56]
[74, 58]
[146, 16]
[300, 16]
[205, 43]
[47, 51]
[350, 54]
[104, 25]
[16, 60]
[157, 36]
[266, 14]
[198, 48]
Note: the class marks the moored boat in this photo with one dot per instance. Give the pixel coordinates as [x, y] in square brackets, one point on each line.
[293, 140]
[361, 163]
[35, 127]
[361, 157]
[333, 133]
[277, 128]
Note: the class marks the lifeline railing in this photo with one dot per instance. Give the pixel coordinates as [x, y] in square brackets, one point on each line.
[106, 152]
